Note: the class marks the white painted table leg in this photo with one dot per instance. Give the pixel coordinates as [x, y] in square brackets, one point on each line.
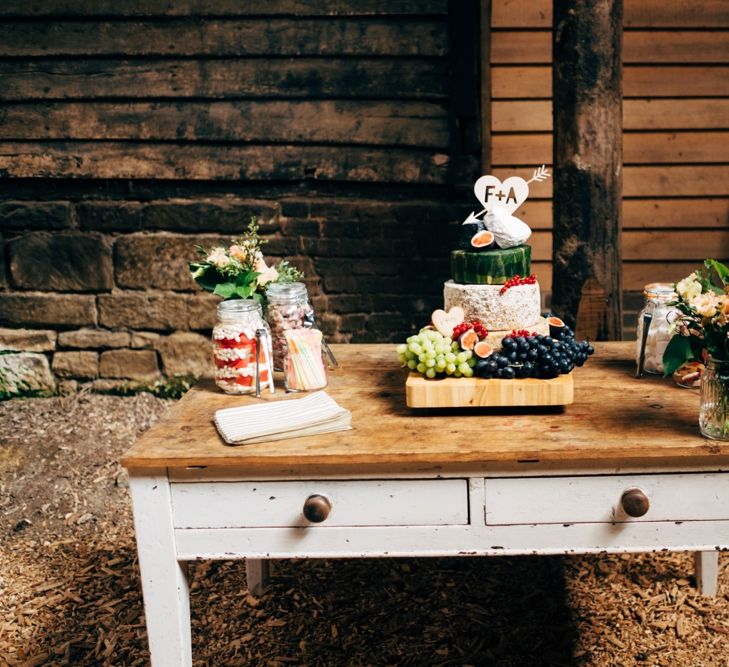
[164, 584]
[257, 572]
[707, 571]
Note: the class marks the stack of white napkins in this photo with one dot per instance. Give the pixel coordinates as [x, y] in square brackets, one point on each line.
[314, 414]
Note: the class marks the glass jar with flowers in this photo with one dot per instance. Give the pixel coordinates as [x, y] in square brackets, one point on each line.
[702, 332]
[241, 339]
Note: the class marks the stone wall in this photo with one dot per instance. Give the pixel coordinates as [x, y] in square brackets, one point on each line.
[101, 287]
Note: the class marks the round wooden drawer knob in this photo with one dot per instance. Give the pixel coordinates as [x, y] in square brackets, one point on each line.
[317, 508]
[635, 502]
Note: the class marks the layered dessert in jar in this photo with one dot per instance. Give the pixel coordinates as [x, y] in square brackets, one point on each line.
[239, 330]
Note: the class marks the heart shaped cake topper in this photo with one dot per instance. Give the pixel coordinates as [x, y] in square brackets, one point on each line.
[509, 195]
[446, 322]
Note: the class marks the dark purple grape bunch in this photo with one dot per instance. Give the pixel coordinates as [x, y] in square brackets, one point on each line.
[539, 356]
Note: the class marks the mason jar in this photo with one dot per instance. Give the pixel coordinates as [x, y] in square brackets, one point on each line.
[657, 299]
[304, 368]
[287, 308]
[241, 336]
[714, 407]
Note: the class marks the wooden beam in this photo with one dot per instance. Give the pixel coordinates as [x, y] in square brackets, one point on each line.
[641, 47]
[648, 148]
[587, 84]
[214, 162]
[486, 86]
[218, 8]
[711, 14]
[535, 81]
[396, 123]
[224, 37]
[464, 90]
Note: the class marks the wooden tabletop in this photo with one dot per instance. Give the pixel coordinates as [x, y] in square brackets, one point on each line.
[614, 417]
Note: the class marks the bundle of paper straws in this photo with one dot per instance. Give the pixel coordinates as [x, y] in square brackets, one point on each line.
[304, 365]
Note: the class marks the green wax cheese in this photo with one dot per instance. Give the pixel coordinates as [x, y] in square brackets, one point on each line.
[490, 267]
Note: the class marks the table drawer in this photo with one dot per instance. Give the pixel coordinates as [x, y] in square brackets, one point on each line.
[598, 499]
[420, 502]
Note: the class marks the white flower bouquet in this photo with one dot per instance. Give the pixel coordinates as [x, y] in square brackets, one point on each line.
[239, 271]
[703, 325]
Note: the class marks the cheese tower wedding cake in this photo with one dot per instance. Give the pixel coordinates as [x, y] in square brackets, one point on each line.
[491, 268]
[491, 328]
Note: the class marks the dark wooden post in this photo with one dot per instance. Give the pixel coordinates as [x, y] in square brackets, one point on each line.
[465, 92]
[587, 85]
[485, 61]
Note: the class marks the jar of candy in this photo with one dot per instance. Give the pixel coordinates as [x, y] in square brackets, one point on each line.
[242, 347]
[288, 308]
[654, 326]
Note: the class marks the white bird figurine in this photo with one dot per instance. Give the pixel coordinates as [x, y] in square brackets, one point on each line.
[507, 229]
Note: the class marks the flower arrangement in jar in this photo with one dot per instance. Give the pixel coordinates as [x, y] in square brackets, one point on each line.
[241, 339]
[702, 332]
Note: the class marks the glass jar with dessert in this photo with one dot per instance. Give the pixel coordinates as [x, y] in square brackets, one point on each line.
[242, 347]
[654, 327]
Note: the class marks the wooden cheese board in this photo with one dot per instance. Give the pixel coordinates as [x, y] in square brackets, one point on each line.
[476, 392]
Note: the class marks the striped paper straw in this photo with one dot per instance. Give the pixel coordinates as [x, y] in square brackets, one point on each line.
[304, 365]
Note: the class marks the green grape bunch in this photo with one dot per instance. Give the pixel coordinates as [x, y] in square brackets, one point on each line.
[433, 355]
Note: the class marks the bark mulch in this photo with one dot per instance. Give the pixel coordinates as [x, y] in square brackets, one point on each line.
[70, 593]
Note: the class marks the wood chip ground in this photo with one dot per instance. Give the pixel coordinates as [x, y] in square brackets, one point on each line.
[70, 592]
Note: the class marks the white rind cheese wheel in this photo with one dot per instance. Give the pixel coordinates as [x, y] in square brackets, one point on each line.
[517, 308]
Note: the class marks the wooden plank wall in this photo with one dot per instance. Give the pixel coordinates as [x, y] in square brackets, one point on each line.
[143, 127]
[211, 90]
[676, 120]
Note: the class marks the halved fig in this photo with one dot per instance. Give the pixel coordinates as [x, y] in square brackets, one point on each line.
[555, 326]
[483, 350]
[467, 231]
[468, 339]
[482, 240]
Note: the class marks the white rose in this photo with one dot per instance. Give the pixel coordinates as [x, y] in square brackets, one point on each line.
[688, 288]
[705, 304]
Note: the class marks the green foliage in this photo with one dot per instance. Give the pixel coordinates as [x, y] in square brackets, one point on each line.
[169, 388]
[18, 389]
[173, 387]
[232, 272]
[721, 271]
[288, 273]
[679, 350]
[25, 393]
[206, 275]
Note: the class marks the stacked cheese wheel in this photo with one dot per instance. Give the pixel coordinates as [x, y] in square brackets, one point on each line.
[483, 285]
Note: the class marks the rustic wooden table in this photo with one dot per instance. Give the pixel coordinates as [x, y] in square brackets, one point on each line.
[621, 469]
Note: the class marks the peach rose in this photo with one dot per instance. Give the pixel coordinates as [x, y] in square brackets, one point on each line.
[237, 252]
[218, 257]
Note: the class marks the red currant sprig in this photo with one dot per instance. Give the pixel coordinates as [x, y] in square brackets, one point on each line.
[522, 332]
[517, 280]
[461, 328]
